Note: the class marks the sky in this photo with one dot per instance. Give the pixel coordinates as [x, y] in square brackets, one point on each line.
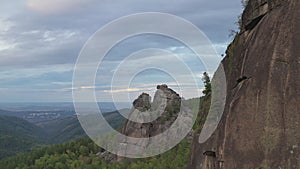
[40, 42]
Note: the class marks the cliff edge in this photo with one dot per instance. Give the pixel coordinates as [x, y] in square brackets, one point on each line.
[261, 122]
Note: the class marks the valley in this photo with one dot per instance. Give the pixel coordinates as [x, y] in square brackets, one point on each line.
[20, 134]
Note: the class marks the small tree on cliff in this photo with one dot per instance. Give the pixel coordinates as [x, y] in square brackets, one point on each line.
[207, 83]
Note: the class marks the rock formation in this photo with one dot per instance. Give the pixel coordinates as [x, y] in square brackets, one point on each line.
[165, 108]
[261, 122]
[143, 103]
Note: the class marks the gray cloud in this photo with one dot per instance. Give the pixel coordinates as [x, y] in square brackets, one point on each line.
[31, 38]
[214, 17]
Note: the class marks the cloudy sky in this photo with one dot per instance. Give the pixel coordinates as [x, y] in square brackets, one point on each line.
[40, 42]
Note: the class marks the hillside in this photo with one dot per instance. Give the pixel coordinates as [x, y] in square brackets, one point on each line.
[10, 113]
[18, 135]
[69, 128]
[62, 130]
[84, 154]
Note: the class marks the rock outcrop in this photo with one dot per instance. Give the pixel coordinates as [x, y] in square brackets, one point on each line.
[164, 97]
[261, 122]
[255, 11]
[150, 119]
[143, 102]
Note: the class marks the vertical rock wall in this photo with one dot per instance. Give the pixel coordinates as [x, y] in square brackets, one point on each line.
[260, 127]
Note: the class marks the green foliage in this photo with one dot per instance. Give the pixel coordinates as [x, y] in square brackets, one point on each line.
[230, 52]
[173, 108]
[66, 129]
[19, 136]
[196, 109]
[202, 112]
[81, 154]
[68, 155]
[177, 158]
[207, 83]
[62, 130]
[239, 22]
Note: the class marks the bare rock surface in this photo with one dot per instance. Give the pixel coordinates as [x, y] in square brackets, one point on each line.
[164, 108]
[260, 127]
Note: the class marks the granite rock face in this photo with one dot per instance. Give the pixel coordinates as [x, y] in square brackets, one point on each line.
[165, 107]
[143, 102]
[261, 122]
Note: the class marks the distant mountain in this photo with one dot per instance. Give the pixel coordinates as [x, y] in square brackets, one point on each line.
[7, 113]
[69, 128]
[18, 135]
[62, 129]
[41, 112]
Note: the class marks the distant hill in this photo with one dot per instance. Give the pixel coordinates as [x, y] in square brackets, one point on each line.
[62, 129]
[84, 153]
[8, 113]
[18, 135]
[69, 128]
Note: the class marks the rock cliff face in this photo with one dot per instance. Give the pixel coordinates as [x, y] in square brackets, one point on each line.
[261, 122]
[165, 99]
[143, 103]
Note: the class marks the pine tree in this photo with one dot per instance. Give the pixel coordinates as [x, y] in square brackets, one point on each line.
[207, 83]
